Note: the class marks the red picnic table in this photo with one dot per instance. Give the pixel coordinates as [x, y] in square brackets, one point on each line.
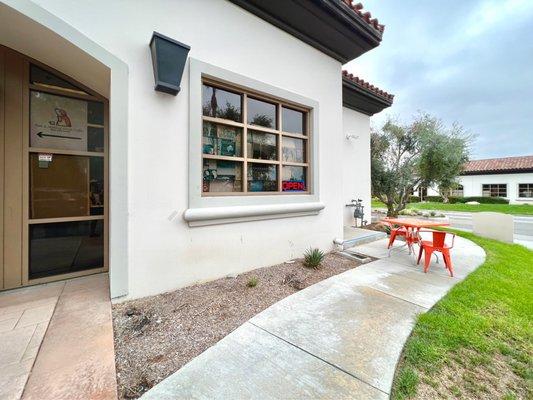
[412, 227]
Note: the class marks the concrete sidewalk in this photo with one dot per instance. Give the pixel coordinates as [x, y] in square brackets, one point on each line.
[340, 338]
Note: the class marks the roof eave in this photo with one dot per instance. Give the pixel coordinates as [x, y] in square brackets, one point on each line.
[498, 172]
[361, 99]
[328, 25]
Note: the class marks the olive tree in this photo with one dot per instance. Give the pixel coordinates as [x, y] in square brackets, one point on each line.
[422, 152]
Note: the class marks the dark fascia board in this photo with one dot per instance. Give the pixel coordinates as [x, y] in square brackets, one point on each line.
[359, 99]
[328, 25]
[498, 172]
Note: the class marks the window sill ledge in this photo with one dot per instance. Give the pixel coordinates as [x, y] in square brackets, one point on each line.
[228, 215]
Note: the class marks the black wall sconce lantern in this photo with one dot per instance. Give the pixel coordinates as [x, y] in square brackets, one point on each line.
[168, 59]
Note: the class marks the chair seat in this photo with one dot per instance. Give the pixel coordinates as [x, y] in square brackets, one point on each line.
[429, 243]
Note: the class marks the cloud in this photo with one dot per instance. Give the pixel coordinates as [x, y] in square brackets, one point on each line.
[463, 61]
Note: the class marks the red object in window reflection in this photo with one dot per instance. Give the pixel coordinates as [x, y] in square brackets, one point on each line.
[293, 186]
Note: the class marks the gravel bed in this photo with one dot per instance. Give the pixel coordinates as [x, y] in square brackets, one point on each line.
[155, 336]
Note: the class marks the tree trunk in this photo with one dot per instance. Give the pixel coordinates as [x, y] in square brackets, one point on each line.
[391, 210]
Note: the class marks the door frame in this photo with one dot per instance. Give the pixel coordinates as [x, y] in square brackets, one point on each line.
[26, 150]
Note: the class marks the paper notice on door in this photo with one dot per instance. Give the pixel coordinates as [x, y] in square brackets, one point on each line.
[58, 122]
[45, 157]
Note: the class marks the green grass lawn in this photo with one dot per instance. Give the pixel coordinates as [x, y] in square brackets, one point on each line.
[515, 209]
[477, 342]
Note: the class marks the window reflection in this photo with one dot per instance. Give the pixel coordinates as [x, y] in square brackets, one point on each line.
[262, 113]
[293, 149]
[64, 247]
[293, 121]
[262, 177]
[222, 176]
[39, 76]
[221, 103]
[262, 146]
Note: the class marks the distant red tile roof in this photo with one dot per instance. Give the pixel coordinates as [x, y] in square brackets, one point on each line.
[357, 8]
[502, 165]
[367, 86]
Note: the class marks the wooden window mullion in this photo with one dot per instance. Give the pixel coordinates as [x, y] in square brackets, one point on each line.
[280, 148]
[245, 143]
[278, 131]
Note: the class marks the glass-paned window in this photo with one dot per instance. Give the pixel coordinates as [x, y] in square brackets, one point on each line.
[95, 113]
[262, 113]
[293, 150]
[251, 153]
[262, 177]
[293, 121]
[525, 190]
[39, 76]
[262, 146]
[222, 176]
[222, 140]
[59, 248]
[494, 190]
[66, 228]
[293, 179]
[66, 186]
[458, 191]
[220, 103]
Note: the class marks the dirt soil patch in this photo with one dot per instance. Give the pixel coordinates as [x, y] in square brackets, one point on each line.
[376, 226]
[155, 336]
[491, 378]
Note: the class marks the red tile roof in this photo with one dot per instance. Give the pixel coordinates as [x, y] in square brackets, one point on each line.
[507, 164]
[367, 86]
[366, 16]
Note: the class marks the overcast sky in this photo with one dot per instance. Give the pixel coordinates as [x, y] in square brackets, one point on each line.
[465, 61]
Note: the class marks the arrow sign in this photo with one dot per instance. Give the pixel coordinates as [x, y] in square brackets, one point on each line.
[40, 134]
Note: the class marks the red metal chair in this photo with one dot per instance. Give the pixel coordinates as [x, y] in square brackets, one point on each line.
[400, 231]
[437, 244]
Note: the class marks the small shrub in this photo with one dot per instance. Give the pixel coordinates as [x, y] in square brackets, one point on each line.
[409, 212]
[252, 282]
[313, 258]
[414, 199]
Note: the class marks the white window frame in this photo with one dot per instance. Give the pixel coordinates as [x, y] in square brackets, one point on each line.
[210, 210]
[518, 191]
[496, 184]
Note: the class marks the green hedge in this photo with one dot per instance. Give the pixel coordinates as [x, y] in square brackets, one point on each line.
[434, 199]
[462, 200]
[483, 200]
[414, 199]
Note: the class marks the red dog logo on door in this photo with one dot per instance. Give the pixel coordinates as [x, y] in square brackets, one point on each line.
[62, 118]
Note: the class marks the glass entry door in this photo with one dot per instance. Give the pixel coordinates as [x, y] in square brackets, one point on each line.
[67, 178]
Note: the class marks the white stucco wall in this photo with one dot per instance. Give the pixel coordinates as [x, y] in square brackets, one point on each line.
[164, 252]
[355, 162]
[472, 185]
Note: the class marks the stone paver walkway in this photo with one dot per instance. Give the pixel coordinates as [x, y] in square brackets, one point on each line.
[56, 341]
[24, 317]
[340, 338]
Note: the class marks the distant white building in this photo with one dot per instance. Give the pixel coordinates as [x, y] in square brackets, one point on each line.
[510, 178]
